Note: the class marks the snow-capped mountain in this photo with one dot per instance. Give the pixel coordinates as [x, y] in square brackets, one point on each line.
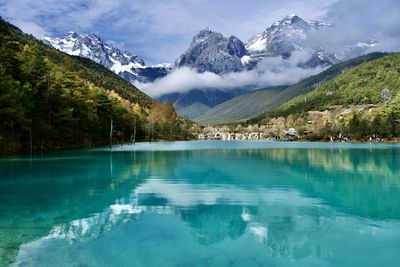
[211, 51]
[286, 36]
[130, 67]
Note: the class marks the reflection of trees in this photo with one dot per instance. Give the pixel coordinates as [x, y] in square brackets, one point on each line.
[366, 182]
[363, 181]
[156, 163]
[361, 160]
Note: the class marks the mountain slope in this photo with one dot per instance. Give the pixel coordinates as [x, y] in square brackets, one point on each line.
[374, 82]
[49, 99]
[258, 102]
[362, 103]
[211, 51]
[241, 107]
[131, 67]
[196, 102]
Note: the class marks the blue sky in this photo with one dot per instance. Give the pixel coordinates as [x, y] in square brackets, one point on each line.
[159, 31]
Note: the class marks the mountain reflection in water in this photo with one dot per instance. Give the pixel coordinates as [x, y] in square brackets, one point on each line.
[280, 206]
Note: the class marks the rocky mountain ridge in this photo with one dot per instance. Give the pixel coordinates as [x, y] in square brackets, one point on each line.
[131, 67]
[210, 51]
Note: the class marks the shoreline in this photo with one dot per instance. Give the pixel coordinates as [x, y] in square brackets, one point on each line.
[106, 147]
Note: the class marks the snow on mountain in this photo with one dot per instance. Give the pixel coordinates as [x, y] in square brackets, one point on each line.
[164, 65]
[128, 66]
[292, 30]
[211, 51]
[284, 37]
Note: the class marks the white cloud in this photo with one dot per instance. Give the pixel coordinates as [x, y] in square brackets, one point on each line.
[270, 72]
[31, 28]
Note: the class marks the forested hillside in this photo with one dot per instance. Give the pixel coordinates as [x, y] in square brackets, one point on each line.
[49, 99]
[242, 107]
[375, 82]
[361, 102]
[261, 101]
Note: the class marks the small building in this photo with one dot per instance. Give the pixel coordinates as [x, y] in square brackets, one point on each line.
[290, 133]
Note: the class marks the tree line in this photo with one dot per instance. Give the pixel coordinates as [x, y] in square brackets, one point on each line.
[49, 99]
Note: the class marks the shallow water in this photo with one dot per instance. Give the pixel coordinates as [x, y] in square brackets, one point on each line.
[203, 204]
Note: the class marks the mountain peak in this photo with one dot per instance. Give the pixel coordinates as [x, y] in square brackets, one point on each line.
[71, 34]
[284, 36]
[204, 34]
[211, 51]
[206, 30]
[291, 17]
[89, 45]
[94, 36]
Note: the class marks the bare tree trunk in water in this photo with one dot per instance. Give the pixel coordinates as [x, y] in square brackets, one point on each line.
[30, 136]
[12, 132]
[122, 137]
[48, 99]
[152, 132]
[111, 132]
[134, 131]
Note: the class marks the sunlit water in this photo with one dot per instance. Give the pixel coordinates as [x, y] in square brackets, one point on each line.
[203, 204]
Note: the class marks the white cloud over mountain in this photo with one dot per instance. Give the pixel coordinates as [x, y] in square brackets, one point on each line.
[270, 72]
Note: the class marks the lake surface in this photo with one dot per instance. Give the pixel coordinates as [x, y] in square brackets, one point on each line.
[210, 203]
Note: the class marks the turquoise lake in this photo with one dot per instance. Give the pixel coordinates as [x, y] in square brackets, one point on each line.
[203, 203]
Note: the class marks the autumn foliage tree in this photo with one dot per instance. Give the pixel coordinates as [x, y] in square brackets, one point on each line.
[164, 123]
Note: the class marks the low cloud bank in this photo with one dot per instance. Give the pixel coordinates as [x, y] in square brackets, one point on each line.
[355, 22]
[269, 72]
